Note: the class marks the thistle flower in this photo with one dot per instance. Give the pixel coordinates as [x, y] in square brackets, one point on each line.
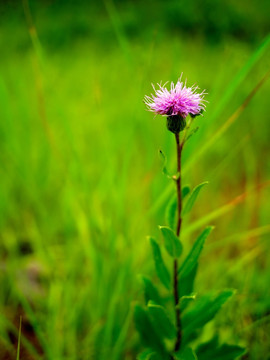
[180, 100]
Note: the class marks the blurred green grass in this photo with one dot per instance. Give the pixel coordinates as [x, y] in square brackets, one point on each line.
[81, 185]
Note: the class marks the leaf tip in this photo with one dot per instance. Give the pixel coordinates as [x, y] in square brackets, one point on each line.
[150, 239]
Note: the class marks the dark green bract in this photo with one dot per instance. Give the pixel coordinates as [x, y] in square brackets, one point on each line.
[176, 123]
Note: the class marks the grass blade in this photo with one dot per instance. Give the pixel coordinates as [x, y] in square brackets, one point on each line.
[213, 139]
[221, 210]
[19, 340]
[118, 28]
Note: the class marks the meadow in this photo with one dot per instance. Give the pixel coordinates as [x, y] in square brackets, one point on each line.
[82, 183]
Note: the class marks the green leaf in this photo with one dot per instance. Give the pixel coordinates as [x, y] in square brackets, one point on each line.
[156, 356]
[186, 283]
[192, 258]
[145, 354]
[212, 350]
[164, 162]
[150, 291]
[192, 198]
[186, 354]
[149, 354]
[188, 270]
[170, 214]
[164, 168]
[185, 191]
[203, 311]
[162, 271]
[209, 345]
[171, 241]
[185, 300]
[161, 321]
[144, 326]
[171, 209]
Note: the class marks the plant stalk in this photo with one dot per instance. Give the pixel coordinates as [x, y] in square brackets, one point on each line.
[178, 229]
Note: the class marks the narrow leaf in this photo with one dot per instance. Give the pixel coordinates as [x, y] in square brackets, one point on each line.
[193, 256]
[212, 350]
[161, 321]
[185, 191]
[185, 300]
[209, 345]
[171, 241]
[150, 291]
[162, 271]
[186, 283]
[171, 209]
[149, 354]
[144, 326]
[192, 198]
[145, 355]
[164, 163]
[203, 311]
[170, 214]
[156, 356]
[186, 354]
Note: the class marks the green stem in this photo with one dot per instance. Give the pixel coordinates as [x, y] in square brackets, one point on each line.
[178, 229]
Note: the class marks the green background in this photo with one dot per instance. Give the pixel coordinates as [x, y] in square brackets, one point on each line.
[80, 177]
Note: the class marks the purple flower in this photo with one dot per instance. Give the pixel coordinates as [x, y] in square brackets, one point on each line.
[180, 100]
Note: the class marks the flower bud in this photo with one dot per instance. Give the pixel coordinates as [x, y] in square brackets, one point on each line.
[176, 123]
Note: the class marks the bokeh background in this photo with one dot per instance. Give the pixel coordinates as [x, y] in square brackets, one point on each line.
[80, 177]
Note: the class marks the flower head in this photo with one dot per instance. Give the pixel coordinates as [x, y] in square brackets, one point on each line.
[179, 100]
